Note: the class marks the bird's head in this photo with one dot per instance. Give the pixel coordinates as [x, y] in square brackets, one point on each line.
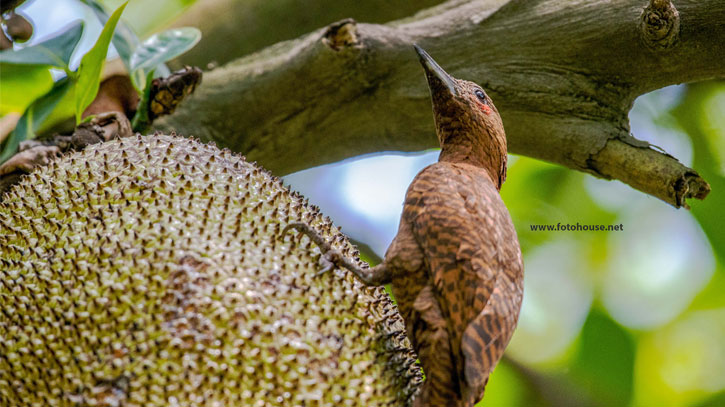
[468, 125]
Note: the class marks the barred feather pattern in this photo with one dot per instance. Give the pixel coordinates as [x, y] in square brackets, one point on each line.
[457, 275]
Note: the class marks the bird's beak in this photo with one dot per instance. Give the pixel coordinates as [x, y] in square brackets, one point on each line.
[436, 75]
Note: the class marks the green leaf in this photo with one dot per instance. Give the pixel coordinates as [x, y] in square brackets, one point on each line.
[124, 39]
[164, 46]
[55, 51]
[88, 118]
[34, 115]
[146, 17]
[89, 72]
[21, 84]
[140, 122]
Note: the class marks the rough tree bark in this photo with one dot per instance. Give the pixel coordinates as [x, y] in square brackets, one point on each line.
[563, 73]
[234, 28]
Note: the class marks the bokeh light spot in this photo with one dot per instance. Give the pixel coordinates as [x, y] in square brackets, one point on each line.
[656, 267]
[556, 302]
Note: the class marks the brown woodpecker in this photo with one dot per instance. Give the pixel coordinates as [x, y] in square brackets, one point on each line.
[455, 265]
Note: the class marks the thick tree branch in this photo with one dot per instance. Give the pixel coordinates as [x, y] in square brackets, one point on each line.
[563, 74]
[234, 28]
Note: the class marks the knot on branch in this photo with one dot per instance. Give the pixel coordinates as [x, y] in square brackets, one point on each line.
[341, 34]
[660, 25]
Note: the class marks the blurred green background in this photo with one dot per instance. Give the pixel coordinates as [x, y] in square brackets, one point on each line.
[623, 318]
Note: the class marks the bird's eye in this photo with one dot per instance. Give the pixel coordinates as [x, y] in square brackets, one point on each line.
[480, 95]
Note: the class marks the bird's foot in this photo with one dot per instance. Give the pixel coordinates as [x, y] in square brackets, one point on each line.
[330, 258]
[314, 235]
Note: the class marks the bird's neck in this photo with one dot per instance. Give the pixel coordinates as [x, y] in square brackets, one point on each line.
[489, 158]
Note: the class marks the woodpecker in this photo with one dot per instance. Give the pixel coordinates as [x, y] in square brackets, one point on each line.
[455, 266]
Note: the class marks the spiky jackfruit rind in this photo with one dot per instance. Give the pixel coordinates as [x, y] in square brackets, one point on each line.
[150, 271]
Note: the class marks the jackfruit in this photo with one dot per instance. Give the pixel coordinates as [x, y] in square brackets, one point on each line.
[151, 271]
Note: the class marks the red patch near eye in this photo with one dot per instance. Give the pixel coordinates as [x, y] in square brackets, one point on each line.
[486, 109]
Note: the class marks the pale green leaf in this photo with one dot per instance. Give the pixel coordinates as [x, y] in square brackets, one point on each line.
[164, 46]
[55, 51]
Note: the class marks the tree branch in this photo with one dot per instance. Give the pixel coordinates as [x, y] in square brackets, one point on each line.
[563, 74]
[234, 28]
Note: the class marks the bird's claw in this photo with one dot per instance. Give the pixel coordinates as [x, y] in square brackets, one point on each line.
[329, 261]
[330, 257]
[333, 258]
[290, 226]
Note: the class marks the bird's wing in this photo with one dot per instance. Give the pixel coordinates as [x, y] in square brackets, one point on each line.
[456, 225]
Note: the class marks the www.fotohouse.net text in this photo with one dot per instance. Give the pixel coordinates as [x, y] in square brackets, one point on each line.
[578, 227]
